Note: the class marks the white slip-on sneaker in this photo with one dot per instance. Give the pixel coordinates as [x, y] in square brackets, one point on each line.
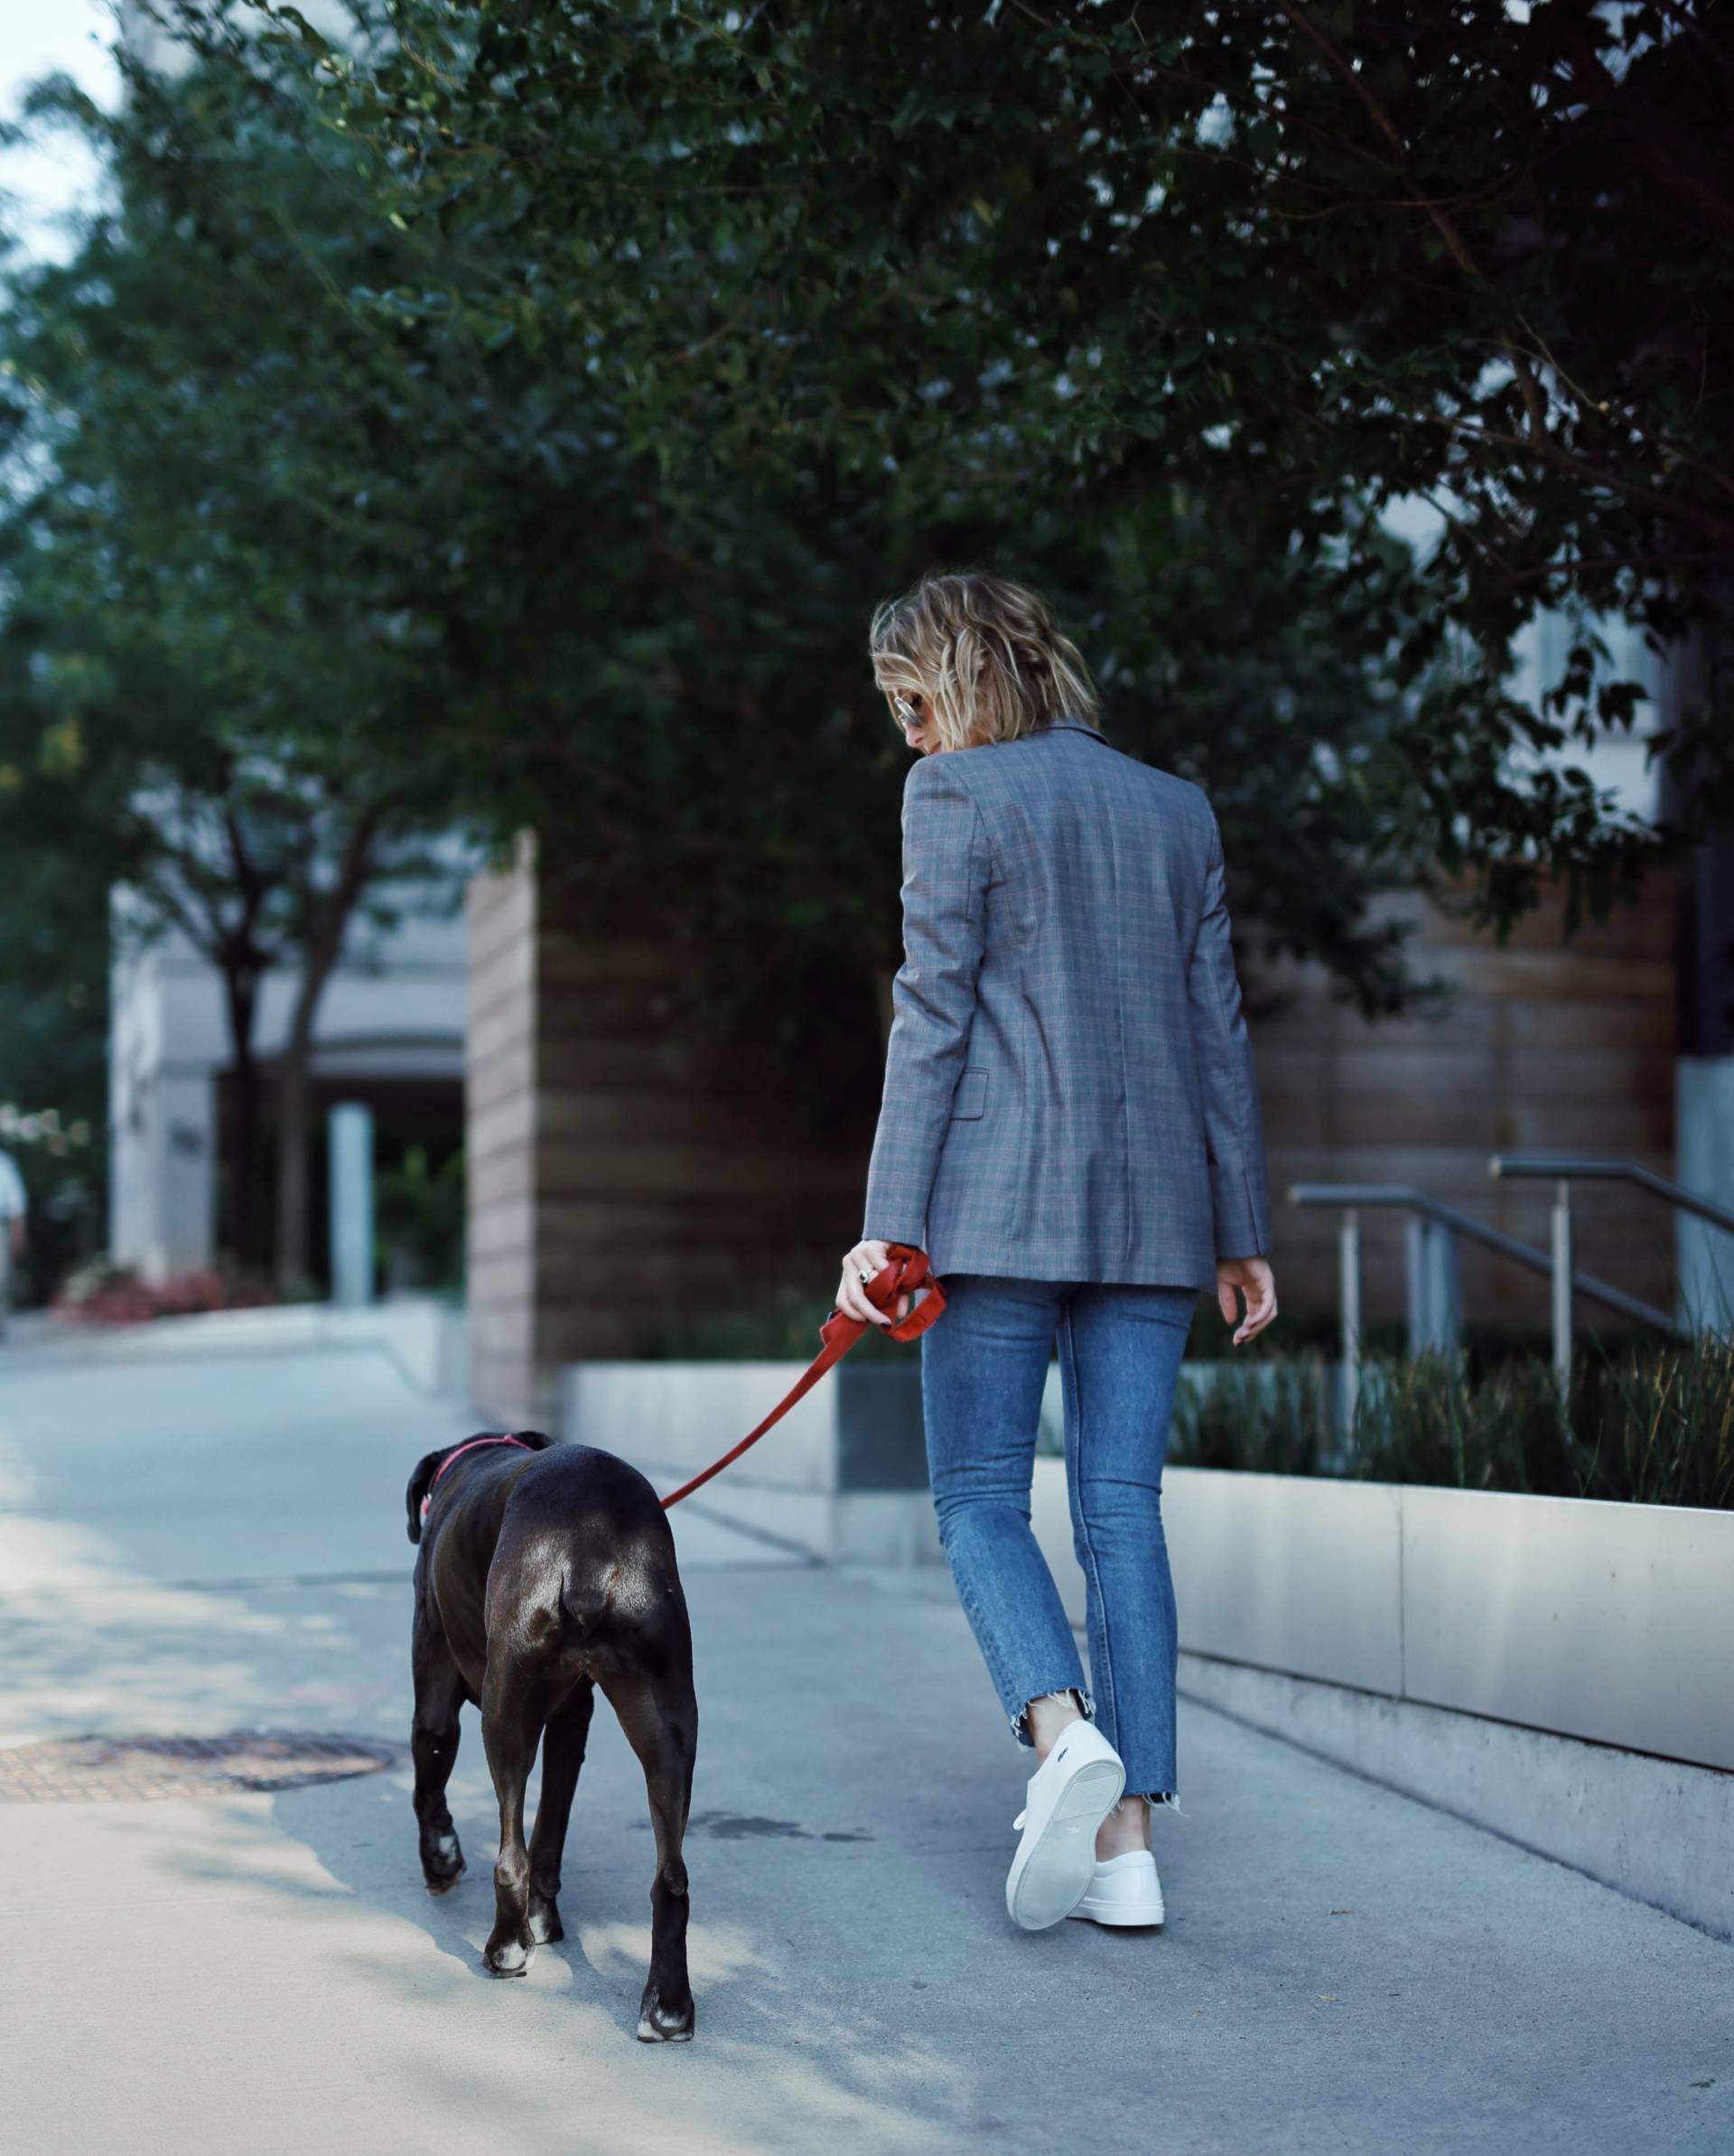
[1067, 1799]
[1124, 1890]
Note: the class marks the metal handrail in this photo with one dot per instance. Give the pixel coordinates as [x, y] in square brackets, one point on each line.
[1568, 1167]
[1558, 1266]
[1404, 1197]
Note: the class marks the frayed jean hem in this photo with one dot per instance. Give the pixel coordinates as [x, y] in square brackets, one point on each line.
[1019, 1721]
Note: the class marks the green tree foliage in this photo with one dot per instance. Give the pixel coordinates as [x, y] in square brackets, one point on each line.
[207, 629]
[1279, 265]
[306, 535]
[511, 414]
[678, 512]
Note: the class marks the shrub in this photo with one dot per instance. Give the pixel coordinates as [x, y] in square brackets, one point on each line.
[104, 1294]
[1662, 1432]
[1649, 1424]
[1269, 1416]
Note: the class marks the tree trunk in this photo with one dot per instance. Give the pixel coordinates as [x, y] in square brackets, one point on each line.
[241, 997]
[323, 947]
[295, 1094]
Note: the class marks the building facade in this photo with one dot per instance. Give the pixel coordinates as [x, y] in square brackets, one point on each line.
[389, 1033]
[620, 1178]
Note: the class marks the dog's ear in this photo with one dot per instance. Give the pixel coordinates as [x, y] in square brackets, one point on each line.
[420, 1483]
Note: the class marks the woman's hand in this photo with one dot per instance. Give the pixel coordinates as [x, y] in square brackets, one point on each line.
[869, 1259]
[1253, 1277]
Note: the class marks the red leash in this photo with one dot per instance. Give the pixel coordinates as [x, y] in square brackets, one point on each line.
[907, 1269]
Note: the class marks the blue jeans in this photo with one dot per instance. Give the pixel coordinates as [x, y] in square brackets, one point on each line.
[983, 1369]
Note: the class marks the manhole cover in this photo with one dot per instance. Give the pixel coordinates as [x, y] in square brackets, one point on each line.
[131, 1769]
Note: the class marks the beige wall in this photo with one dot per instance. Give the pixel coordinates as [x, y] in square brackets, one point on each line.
[1545, 1047]
[500, 1069]
[617, 1176]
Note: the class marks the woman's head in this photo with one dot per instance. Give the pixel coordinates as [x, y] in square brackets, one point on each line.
[976, 658]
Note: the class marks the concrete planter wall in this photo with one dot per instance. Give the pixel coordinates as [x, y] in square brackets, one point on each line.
[1601, 1622]
[843, 1475]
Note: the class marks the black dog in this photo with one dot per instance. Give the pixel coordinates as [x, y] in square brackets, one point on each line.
[544, 1571]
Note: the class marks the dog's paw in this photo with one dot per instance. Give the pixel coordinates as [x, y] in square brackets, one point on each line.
[512, 1959]
[443, 1863]
[660, 2024]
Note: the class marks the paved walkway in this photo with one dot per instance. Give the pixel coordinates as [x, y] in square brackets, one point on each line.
[208, 1545]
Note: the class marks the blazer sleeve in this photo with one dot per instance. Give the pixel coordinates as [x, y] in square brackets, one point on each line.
[1234, 1131]
[945, 863]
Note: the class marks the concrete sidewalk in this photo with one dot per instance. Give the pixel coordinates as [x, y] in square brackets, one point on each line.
[1343, 1969]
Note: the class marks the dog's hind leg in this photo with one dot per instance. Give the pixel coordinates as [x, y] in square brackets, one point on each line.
[511, 1725]
[660, 1717]
[563, 1754]
[433, 1745]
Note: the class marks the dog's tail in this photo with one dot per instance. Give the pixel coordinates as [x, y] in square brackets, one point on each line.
[586, 1597]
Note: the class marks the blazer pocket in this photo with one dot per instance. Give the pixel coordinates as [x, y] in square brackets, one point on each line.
[971, 1096]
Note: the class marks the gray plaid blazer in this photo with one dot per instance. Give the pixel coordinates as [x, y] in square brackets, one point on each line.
[1070, 1090]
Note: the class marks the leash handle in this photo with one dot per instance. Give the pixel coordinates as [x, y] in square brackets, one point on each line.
[906, 1270]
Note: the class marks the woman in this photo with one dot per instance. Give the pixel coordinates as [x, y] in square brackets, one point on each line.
[1070, 1130]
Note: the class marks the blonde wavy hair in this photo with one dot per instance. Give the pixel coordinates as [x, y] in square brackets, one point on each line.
[986, 653]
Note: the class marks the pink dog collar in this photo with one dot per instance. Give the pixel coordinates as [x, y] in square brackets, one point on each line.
[453, 1458]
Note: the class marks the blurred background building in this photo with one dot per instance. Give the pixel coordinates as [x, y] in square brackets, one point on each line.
[390, 1034]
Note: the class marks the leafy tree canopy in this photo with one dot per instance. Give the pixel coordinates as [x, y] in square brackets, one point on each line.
[510, 413]
[1280, 265]
[299, 475]
[208, 639]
